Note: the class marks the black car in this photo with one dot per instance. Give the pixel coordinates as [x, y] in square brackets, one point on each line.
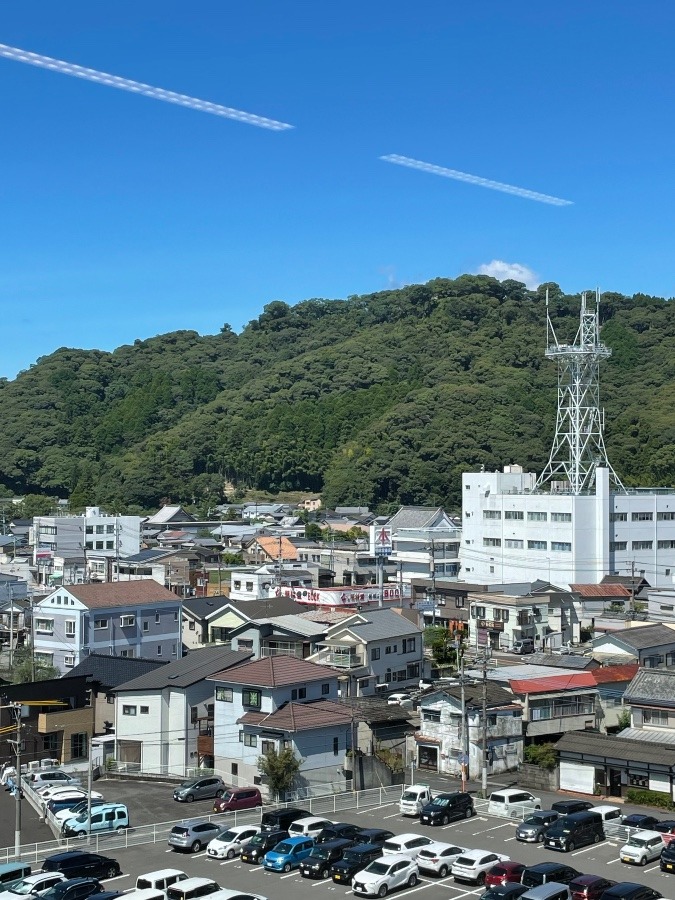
[375, 836]
[259, 844]
[74, 889]
[545, 872]
[565, 807]
[318, 863]
[81, 864]
[668, 858]
[638, 820]
[337, 831]
[354, 860]
[280, 819]
[509, 891]
[629, 890]
[446, 807]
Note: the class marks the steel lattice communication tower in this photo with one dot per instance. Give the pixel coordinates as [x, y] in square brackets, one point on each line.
[578, 446]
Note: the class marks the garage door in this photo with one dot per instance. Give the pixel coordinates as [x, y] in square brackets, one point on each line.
[575, 776]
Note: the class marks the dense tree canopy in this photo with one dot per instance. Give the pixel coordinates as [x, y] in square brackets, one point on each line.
[379, 399]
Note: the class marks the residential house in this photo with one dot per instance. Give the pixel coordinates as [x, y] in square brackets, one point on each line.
[600, 600]
[498, 619]
[289, 635]
[145, 564]
[164, 718]
[344, 562]
[281, 702]
[442, 737]
[264, 549]
[271, 512]
[558, 703]
[233, 614]
[425, 543]
[612, 682]
[649, 645]
[661, 606]
[374, 650]
[259, 582]
[137, 618]
[310, 504]
[197, 612]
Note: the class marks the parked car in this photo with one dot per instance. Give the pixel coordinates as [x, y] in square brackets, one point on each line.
[310, 826]
[280, 819]
[159, 880]
[642, 847]
[589, 887]
[66, 803]
[668, 858]
[52, 778]
[608, 813]
[13, 871]
[408, 844]
[77, 809]
[438, 857]
[374, 836]
[200, 789]
[354, 859]
[639, 820]
[82, 864]
[552, 890]
[258, 846]
[531, 829]
[288, 854]
[74, 889]
[322, 857]
[508, 891]
[575, 830]
[667, 829]
[106, 817]
[565, 807]
[629, 890]
[58, 791]
[231, 841]
[237, 798]
[525, 645]
[445, 808]
[542, 873]
[193, 834]
[400, 698]
[384, 875]
[337, 831]
[192, 889]
[414, 799]
[512, 802]
[34, 885]
[504, 872]
[474, 865]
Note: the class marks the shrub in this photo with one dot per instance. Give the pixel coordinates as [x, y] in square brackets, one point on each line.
[542, 755]
[643, 797]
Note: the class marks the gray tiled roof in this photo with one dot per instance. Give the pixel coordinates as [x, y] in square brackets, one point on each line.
[643, 637]
[274, 606]
[111, 671]
[652, 686]
[415, 517]
[591, 743]
[146, 556]
[649, 737]
[473, 695]
[201, 607]
[379, 624]
[564, 661]
[196, 666]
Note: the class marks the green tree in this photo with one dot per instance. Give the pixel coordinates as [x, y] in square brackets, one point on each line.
[313, 532]
[22, 671]
[280, 769]
[441, 642]
[623, 719]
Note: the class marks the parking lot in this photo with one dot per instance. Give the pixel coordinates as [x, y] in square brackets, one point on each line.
[480, 832]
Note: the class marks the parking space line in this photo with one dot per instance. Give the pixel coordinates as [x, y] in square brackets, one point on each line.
[116, 878]
[454, 824]
[392, 816]
[371, 808]
[586, 849]
[506, 840]
[228, 861]
[495, 827]
[325, 881]
[618, 859]
[653, 868]
[290, 875]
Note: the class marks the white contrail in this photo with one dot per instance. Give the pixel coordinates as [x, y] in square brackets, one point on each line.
[136, 87]
[475, 179]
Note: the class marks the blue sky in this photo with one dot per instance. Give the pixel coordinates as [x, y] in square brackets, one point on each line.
[124, 217]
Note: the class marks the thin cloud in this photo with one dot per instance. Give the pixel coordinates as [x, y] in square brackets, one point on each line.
[504, 271]
[475, 179]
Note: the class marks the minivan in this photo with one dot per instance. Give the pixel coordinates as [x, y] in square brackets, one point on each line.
[159, 880]
[575, 830]
[524, 645]
[13, 872]
[322, 857]
[512, 802]
[310, 826]
[547, 872]
[280, 819]
[192, 888]
[446, 807]
[408, 844]
[238, 798]
[108, 817]
[609, 813]
[552, 890]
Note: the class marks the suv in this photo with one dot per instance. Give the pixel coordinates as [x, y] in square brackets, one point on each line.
[193, 834]
[258, 846]
[338, 831]
[280, 819]
[237, 798]
[445, 807]
[82, 864]
[318, 863]
[565, 807]
[353, 860]
[438, 858]
[588, 887]
[74, 889]
[473, 865]
[544, 872]
[200, 789]
[383, 875]
[34, 885]
[629, 890]
[374, 836]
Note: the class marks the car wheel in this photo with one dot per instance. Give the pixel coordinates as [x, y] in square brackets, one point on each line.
[443, 871]
[571, 846]
[540, 837]
[119, 828]
[382, 891]
[445, 820]
[230, 854]
[596, 839]
[643, 861]
[287, 867]
[196, 847]
[412, 881]
[537, 806]
[468, 813]
[219, 794]
[324, 874]
[113, 872]
[481, 878]
[81, 834]
[190, 798]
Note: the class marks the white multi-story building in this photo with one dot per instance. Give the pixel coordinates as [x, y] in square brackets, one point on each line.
[424, 543]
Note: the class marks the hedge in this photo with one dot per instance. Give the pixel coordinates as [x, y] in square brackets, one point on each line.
[643, 797]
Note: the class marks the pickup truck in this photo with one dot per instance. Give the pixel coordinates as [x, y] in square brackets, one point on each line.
[414, 798]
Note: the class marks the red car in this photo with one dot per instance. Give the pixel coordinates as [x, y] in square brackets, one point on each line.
[503, 873]
[589, 887]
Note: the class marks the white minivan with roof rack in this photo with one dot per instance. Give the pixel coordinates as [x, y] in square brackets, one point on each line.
[512, 803]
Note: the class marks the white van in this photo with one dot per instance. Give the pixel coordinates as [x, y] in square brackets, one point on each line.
[310, 826]
[512, 803]
[608, 813]
[159, 880]
[408, 844]
[107, 817]
[192, 888]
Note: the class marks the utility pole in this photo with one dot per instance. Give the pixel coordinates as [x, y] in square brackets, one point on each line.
[484, 767]
[465, 730]
[17, 794]
[11, 628]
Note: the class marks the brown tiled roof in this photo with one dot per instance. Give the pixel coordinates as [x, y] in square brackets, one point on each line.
[272, 546]
[610, 674]
[600, 590]
[275, 671]
[121, 593]
[300, 716]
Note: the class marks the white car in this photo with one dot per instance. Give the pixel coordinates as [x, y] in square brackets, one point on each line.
[641, 847]
[472, 865]
[79, 806]
[53, 793]
[400, 698]
[230, 842]
[438, 857]
[34, 885]
[384, 875]
[405, 845]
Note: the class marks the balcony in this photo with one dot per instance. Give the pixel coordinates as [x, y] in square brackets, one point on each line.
[557, 718]
[281, 649]
[205, 736]
[339, 659]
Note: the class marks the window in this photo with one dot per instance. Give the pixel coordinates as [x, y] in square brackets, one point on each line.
[491, 514]
[665, 545]
[298, 693]
[536, 545]
[127, 621]
[514, 514]
[146, 627]
[237, 585]
[128, 710]
[477, 612]
[99, 529]
[408, 645]
[642, 545]
[336, 746]
[110, 529]
[387, 650]
[655, 717]
[561, 546]
[325, 689]
[157, 618]
[618, 517]
[44, 626]
[234, 769]
[251, 697]
[159, 649]
[561, 517]
[145, 710]
[127, 654]
[99, 545]
[665, 517]
[504, 615]
[89, 545]
[249, 586]
[268, 747]
[513, 544]
[175, 616]
[492, 542]
[46, 658]
[641, 517]
[78, 745]
[375, 653]
[617, 545]
[194, 715]
[69, 660]
[248, 740]
[89, 529]
[431, 715]
[100, 623]
[109, 545]
[174, 650]
[536, 516]
[50, 743]
[413, 670]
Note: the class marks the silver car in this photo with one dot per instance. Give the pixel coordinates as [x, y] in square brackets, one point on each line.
[200, 789]
[532, 829]
[193, 834]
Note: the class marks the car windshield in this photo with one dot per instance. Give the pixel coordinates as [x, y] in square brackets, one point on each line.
[177, 829]
[637, 842]
[258, 840]
[409, 795]
[498, 798]
[283, 847]
[378, 868]
[350, 857]
[441, 801]
[535, 820]
[466, 861]
[187, 784]
[23, 887]
[319, 853]
[227, 797]
[227, 836]
[498, 870]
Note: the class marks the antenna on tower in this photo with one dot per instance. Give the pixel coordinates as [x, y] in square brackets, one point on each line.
[578, 445]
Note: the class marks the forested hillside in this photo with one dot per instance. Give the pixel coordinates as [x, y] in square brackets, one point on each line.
[380, 399]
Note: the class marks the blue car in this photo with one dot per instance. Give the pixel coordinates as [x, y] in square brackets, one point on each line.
[288, 854]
